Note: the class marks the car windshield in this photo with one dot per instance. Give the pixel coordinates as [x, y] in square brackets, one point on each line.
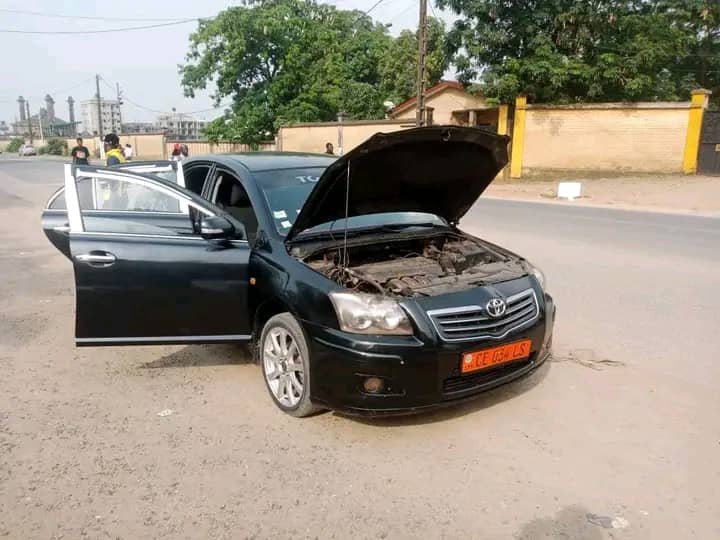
[287, 190]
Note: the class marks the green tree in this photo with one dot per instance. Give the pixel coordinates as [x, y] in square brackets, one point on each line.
[398, 66]
[585, 50]
[286, 61]
[14, 144]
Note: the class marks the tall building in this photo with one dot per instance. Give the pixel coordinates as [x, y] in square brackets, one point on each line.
[180, 127]
[111, 118]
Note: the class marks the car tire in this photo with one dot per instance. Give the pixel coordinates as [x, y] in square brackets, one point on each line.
[285, 362]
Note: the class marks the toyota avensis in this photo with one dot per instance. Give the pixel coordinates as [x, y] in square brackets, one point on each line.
[349, 276]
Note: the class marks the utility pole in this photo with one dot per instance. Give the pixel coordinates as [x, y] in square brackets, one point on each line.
[119, 100]
[27, 113]
[42, 137]
[99, 108]
[422, 53]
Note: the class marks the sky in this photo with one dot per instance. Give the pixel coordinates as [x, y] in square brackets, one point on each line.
[144, 62]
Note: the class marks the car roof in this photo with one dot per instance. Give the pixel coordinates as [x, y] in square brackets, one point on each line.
[269, 161]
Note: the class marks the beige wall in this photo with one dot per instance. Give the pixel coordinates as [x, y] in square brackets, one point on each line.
[312, 137]
[145, 145]
[444, 103]
[640, 137]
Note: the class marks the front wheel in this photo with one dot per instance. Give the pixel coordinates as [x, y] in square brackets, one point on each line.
[285, 362]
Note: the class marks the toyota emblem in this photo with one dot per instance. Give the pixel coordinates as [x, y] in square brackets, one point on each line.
[496, 307]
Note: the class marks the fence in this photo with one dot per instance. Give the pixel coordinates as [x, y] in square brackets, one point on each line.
[197, 148]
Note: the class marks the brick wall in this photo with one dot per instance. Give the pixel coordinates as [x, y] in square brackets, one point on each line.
[643, 137]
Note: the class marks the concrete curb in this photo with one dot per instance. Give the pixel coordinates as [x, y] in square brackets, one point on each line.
[623, 207]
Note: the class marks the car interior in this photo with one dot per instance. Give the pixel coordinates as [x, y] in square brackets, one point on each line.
[230, 196]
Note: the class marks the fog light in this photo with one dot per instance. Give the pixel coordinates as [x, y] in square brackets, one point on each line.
[373, 385]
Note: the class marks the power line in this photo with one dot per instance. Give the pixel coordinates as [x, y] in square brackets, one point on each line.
[51, 92]
[376, 4]
[126, 29]
[87, 18]
[149, 109]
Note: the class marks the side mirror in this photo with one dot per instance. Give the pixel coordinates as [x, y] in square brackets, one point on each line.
[216, 228]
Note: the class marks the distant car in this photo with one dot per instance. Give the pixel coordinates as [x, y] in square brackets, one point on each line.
[27, 150]
[349, 276]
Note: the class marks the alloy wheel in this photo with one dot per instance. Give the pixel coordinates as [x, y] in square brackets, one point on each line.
[283, 367]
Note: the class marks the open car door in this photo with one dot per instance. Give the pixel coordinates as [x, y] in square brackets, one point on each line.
[142, 282]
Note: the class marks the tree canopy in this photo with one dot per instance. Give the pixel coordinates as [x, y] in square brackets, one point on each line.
[568, 51]
[283, 61]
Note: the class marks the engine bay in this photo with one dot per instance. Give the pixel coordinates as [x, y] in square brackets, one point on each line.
[416, 267]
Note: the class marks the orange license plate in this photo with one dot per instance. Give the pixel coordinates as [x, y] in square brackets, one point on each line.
[474, 361]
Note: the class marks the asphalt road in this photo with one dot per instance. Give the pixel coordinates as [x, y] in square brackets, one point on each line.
[623, 423]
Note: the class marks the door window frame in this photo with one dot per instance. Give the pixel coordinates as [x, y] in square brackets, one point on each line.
[142, 169]
[72, 202]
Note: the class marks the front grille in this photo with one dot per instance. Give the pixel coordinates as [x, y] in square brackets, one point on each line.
[464, 383]
[472, 322]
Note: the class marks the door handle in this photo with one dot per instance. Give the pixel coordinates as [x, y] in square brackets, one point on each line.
[97, 258]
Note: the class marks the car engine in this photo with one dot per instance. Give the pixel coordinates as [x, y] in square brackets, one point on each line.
[423, 267]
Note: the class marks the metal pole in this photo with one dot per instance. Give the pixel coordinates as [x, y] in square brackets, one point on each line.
[422, 52]
[99, 111]
[42, 138]
[27, 113]
[340, 134]
[119, 100]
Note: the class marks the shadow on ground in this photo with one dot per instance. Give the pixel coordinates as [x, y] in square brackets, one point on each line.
[571, 522]
[204, 355]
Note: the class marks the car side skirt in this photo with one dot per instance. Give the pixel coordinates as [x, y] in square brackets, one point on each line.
[161, 340]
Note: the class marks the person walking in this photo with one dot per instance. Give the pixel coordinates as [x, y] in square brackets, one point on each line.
[80, 154]
[128, 151]
[113, 151]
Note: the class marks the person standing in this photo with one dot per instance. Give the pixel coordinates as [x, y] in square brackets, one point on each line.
[80, 154]
[128, 151]
[184, 150]
[113, 152]
[329, 149]
[177, 154]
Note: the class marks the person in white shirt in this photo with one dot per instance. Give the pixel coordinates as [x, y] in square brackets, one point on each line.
[128, 151]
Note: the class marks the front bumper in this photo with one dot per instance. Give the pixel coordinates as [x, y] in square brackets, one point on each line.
[420, 374]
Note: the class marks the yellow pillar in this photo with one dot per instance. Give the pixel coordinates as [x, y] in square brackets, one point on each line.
[502, 120]
[518, 139]
[698, 105]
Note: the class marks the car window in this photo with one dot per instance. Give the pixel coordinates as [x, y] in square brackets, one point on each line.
[84, 187]
[125, 196]
[131, 206]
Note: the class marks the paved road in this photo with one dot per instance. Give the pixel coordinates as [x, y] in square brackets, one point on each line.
[624, 423]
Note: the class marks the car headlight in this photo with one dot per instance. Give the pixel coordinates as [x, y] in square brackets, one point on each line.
[539, 275]
[361, 313]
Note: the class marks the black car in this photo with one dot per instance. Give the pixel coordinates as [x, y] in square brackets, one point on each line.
[349, 276]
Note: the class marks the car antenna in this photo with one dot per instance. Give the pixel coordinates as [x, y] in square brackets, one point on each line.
[347, 206]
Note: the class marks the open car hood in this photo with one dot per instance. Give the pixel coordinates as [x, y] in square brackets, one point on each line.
[439, 170]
